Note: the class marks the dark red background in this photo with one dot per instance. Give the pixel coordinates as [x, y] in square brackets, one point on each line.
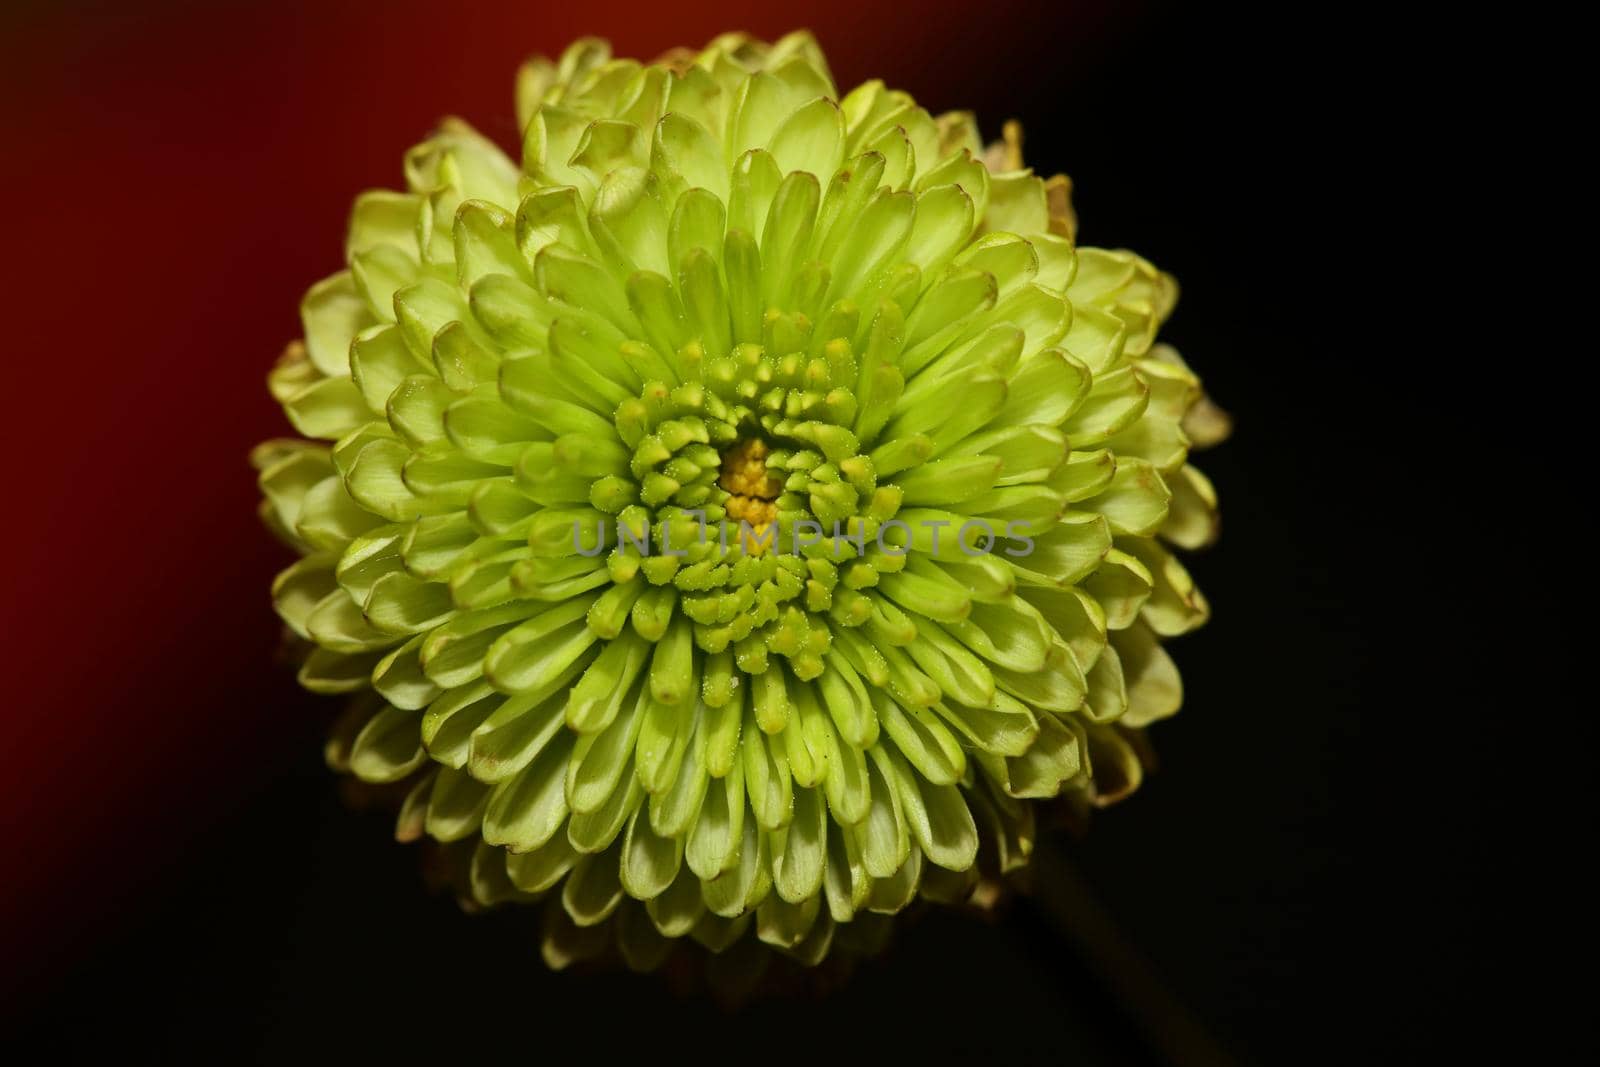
[175, 177]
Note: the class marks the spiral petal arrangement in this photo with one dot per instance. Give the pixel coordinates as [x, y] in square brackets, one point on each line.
[737, 517]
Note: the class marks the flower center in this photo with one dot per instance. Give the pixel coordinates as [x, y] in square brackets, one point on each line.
[753, 488]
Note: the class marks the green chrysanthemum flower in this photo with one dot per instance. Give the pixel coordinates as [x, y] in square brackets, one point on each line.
[741, 513]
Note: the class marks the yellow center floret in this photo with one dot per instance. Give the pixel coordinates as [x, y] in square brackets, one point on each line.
[754, 488]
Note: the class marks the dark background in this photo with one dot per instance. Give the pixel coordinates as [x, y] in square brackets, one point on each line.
[1304, 874]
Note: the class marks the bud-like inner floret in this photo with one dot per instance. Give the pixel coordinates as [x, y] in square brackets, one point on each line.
[754, 488]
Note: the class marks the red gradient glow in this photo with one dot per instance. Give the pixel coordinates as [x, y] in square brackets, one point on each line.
[174, 180]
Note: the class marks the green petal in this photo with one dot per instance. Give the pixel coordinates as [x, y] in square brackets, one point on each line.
[455, 805]
[401, 604]
[379, 272]
[1121, 585]
[767, 780]
[714, 842]
[526, 810]
[1192, 521]
[388, 748]
[1135, 502]
[301, 588]
[329, 408]
[683, 149]
[593, 889]
[922, 738]
[381, 217]
[400, 680]
[331, 314]
[1006, 726]
[337, 623]
[1155, 689]
[541, 868]
[1017, 204]
[746, 881]
[512, 736]
[650, 861]
[599, 759]
[485, 243]
[1055, 758]
[677, 909]
[1175, 605]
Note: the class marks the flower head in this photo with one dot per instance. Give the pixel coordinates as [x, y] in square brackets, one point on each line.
[741, 513]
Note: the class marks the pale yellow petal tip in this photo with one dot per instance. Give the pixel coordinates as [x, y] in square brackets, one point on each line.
[678, 60]
[1005, 154]
[271, 452]
[582, 55]
[1206, 423]
[535, 78]
[292, 372]
[958, 130]
[1058, 199]
[1117, 759]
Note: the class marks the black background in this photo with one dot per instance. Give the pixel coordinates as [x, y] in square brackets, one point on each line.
[1299, 872]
